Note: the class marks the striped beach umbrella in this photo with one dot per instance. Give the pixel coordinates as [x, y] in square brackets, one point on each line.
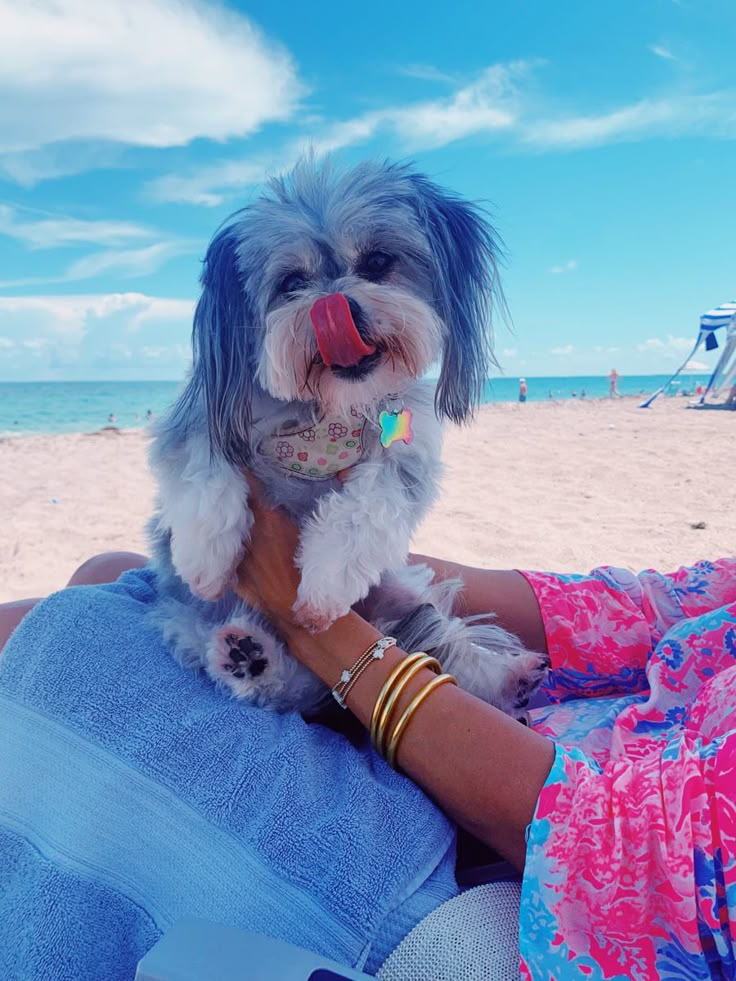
[711, 322]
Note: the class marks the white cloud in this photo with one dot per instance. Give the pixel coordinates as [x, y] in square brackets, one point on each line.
[680, 115]
[29, 167]
[53, 231]
[209, 185]
[153, 73]
[488, 105]
[509, 352]
[696, 366]
[123, 263]
[563, 351]
[127, 262]
[159, 308]
[427, 73]
[497, 104]
[662, 52]
[35, 343]
[129, 335]
[570, 266]
[670, 347]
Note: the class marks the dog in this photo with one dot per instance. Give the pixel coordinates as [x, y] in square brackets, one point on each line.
[323, 304]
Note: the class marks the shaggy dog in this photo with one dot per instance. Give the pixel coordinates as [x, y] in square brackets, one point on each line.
[323, 303]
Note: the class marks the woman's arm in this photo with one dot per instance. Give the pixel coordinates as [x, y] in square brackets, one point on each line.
[456, 747]
[505, 593]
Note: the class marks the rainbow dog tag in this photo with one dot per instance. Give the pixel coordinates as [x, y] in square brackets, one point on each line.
[395, 427]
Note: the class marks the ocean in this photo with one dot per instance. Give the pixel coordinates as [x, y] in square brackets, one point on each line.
[69, 407]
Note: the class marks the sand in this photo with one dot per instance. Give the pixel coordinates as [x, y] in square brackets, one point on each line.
[561, 486]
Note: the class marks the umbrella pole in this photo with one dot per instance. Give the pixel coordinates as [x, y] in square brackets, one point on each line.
[647, 403]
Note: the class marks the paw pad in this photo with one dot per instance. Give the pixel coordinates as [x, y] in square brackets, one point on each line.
[245, 654]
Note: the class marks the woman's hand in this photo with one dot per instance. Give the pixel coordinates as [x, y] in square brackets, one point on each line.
[268, 578]
[457, 748]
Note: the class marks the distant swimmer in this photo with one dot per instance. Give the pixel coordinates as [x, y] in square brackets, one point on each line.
[149, 415]
[522, 389]
[111, 417]
[613, 378]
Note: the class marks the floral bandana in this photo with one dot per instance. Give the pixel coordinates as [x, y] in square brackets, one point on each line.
[321, 450]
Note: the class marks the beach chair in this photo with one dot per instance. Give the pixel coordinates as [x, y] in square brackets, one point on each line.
[197, 950]
[473, 937]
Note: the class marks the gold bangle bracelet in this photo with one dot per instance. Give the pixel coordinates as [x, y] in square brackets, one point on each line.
[398, 688]
[393, 743]
[396, 673]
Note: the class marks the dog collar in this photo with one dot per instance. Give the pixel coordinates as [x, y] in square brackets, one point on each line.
[320, 450]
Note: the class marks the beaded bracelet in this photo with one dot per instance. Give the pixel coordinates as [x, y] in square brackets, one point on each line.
[408, 714]
[394, 694]
[348, 678]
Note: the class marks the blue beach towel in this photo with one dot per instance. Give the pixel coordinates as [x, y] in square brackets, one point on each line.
[133, 792]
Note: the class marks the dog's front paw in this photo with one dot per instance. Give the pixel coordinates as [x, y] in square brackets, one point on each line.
[209, 573]
[317, 619]
[210, 588]
[332, 581]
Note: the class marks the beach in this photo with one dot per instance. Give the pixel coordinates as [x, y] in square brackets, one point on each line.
[556, 485]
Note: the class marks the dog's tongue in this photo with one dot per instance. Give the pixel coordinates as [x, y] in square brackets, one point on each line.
[337, 336]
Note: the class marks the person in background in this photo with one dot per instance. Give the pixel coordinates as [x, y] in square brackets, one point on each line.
[613, 378]
[522, 389]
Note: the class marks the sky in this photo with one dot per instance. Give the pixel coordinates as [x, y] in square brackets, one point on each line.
[600, 136]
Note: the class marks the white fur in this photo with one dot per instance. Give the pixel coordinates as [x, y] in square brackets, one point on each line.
[204, 504]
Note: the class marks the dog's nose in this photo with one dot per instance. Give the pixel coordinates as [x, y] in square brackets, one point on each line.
[336, 321]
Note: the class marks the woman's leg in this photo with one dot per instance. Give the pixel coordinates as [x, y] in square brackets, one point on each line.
[106, 567]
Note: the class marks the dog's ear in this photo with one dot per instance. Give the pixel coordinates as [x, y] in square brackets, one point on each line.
[224, 350]
[466, 289]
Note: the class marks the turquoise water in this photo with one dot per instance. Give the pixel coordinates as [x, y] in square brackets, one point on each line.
[68, 407]
[79, 407]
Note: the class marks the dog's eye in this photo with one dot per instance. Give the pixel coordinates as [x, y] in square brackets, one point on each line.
[375, 265]
[292, 283]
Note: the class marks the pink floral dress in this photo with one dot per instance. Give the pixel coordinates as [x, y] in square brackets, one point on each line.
[631, 858]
